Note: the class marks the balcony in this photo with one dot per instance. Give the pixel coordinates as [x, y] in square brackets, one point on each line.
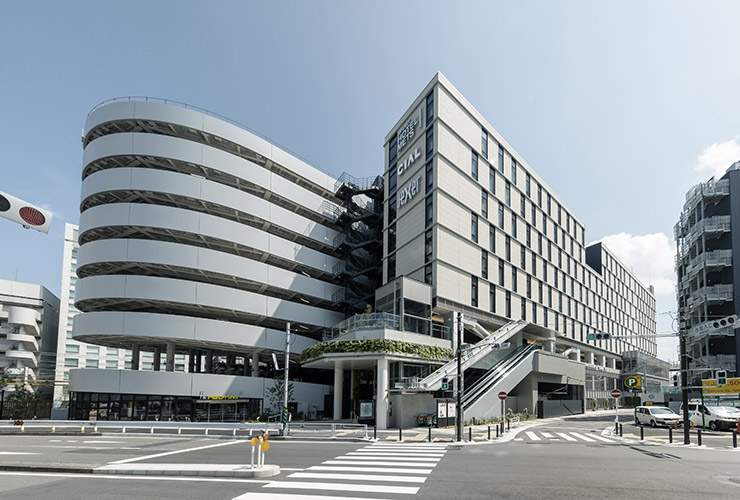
[712, 261]
[711, 227]
[711, 294]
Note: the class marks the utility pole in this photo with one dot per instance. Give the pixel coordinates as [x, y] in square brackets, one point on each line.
[684, 377]
[459, 420]
[284, 413]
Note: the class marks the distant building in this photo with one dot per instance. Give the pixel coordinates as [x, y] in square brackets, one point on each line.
[708, 246]
[29, 315]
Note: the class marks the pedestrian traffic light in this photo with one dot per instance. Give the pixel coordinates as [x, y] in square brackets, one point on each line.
[445, 383]
[598, 336]
[721, 377]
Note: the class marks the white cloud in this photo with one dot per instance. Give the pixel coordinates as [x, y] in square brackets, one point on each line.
[717, 158]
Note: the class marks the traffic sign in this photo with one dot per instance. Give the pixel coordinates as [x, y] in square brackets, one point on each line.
[616, 393]
[502, 395]
[633, 382]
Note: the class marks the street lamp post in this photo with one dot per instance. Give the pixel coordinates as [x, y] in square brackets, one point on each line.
[285, 379]
[459, 385]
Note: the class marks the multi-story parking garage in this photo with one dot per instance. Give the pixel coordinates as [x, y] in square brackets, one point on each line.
[200, 238]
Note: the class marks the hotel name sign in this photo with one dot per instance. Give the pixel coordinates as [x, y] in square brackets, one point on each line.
[408, 130]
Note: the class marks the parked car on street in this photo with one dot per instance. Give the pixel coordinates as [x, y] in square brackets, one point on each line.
[655, 416]
[714, 417]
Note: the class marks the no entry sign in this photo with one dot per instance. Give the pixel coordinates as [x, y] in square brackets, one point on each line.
[502, 395]
[616, 393]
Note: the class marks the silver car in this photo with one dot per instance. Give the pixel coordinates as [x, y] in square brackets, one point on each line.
[655, 416]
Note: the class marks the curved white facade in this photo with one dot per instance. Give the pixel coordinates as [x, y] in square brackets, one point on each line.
[198, 237]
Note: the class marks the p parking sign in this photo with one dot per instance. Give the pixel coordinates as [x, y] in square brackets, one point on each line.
[633, 382]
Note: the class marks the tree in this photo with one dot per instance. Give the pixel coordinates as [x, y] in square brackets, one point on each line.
[22, 402]
[276, 393]
[3, 378]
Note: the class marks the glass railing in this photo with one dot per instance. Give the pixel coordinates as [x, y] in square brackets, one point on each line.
[376, 321]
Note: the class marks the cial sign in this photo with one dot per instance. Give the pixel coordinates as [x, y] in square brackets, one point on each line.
[408, 161]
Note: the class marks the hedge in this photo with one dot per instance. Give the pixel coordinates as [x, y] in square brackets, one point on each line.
[377, 345]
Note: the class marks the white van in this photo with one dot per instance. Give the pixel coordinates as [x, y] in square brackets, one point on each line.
[715, 417]
[655, 416]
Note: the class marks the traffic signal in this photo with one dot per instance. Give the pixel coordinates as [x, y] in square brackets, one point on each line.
[675, 380]
[598, 336]
[721, 323]
[445, 383]
[721, 377]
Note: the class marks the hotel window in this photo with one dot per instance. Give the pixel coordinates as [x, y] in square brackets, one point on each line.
[91, 363]
[429, 216]
[474, 291]
[534, 215]
[430, 143]
[391, 267]
[92, 351]
[549, 204]
[501, 272]
[111, 364]
[513, 171]
[430, 107]
[474, 166]
[428, 246]
[501, 159]
[392, 180]
[508, 249]
[428, 274]
[484, 203]
[549, 296]
[539, 291]
[534, 312]
[492, 238]
[556, 322]
[513, 278]
[524, 309]
[560, 215]
[522, 206]
[529, 287]
[392, 208]
[391, 239]
[549, 251]
[72, 349]
[534, 264]
[474, 228]
[508, 304]
[492, 299]
[522, 257]
[491, 180]
[544, 318]
[514, 225]
[539, 195]
[544, 270]
[528, 237]
[539, 243]
[528, 185]
[429, 176]
[71, 362]
[484, 143]
[484, 264]
[393, 150]
[507, 195]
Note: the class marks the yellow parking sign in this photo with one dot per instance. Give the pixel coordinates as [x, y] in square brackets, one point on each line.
[633, 382]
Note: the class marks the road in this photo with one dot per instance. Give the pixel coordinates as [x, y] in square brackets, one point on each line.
[538, 462]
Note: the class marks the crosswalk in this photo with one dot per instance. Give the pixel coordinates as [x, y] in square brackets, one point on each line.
[565, 437]
[380, 469]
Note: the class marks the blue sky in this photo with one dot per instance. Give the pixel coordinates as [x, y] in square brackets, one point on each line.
[615, 104]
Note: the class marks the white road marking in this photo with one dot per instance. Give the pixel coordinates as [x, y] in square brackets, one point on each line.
[18, 453]
[137, 478]
[518, 439]
[548, 435]
[358, 477]
[565, 436]
[100, 441]
[253, 495]
[533, 436]
[394, 454]
[601, 438]
[368, 469]
[391, 458]
[369, 462]
[581, 436]
[175, 452]
[343, 487]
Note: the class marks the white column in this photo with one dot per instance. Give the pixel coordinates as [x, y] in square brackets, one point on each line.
[255, 363]
[589, 358]
[601, 359]
[613, 363]
[170, 364]
[338, 392]
[381, 397]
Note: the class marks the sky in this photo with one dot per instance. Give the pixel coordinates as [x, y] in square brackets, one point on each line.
[620, 106]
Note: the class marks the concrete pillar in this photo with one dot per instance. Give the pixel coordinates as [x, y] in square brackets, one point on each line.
[157, 358]
[135, 356]
[170, 357]
[338, 392]
[381, 397]
[589, 358]
[601, 360]
[613, 363]
[255, 364]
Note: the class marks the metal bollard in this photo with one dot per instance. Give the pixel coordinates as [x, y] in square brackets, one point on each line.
[470, 434]
[502, 427]
[489, 432]
[430, 435]
[497, 432]
[233, 432]
[698, 434]
[734, 439]
[642, 433]
[508, 425]
[333, 431]
[620, 430]
[151, 430]
[95, 429]
[179, 430]
[400, 433]
[206, 431]
[670, 435]
[375, 432]
[123, 430]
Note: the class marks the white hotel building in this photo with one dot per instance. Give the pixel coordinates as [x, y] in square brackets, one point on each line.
[200, 239]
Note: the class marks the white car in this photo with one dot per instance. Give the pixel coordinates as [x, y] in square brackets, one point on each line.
[655, 416]
[715, 417]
